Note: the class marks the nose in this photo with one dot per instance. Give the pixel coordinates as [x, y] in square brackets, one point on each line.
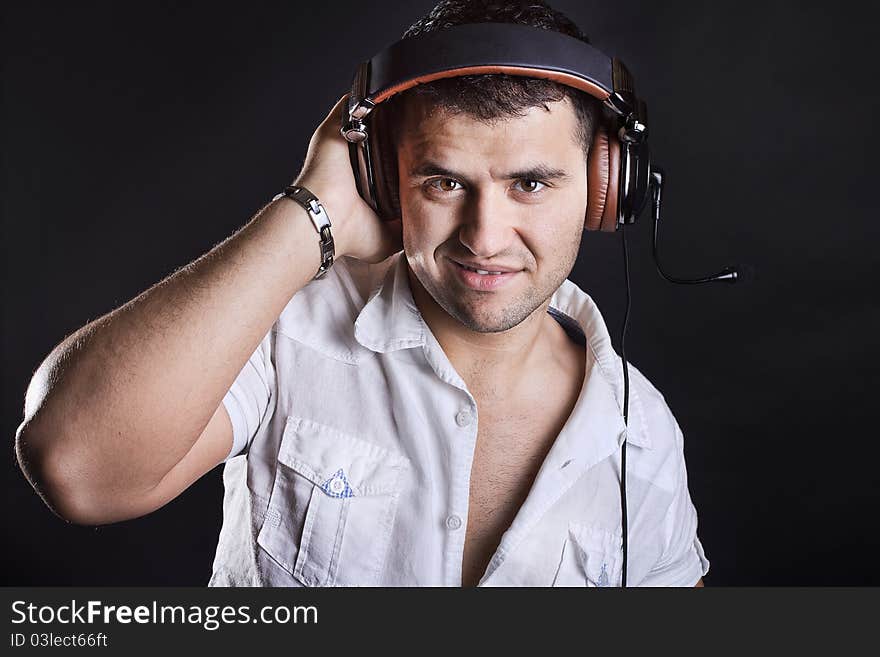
[487, 224]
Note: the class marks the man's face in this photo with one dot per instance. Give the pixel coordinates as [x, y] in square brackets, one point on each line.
[510, 196]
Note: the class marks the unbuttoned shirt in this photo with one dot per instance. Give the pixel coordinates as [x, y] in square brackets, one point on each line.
[354, 438]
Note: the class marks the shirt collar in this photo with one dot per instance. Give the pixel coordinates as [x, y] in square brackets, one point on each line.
[390, 320]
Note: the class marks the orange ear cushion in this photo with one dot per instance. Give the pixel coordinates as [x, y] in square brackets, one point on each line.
[603, 176]
[609, 216]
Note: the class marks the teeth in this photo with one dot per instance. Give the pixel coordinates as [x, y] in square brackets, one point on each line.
[481, 271]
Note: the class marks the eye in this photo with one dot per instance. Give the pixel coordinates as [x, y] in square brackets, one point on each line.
[530, 186]
[444, 184]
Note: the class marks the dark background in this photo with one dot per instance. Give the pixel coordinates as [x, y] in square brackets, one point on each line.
[134, 139]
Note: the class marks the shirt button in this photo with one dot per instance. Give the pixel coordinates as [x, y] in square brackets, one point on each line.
[337, 485]
[453, 522]
[464, 417]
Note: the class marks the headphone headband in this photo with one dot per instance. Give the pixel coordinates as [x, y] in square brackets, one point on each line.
[491, 48]
[491, 45]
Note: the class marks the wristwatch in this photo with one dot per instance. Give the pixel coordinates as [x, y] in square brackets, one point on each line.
[319, 218]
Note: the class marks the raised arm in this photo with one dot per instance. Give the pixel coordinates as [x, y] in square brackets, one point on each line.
[126, 412]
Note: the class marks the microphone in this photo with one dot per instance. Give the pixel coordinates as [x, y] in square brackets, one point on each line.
[730, 274]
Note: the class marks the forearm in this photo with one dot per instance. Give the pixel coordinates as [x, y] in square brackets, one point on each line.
[117, 404]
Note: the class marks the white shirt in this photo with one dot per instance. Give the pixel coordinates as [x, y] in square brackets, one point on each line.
[353, 443]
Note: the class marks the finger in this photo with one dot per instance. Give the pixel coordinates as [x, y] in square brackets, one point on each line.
[338, 110]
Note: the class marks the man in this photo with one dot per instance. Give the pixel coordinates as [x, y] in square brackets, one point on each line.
[448, 414]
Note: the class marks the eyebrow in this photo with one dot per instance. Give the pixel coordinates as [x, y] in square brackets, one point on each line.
[536, 172]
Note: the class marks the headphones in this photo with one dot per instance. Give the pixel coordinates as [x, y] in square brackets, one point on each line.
[619, 161]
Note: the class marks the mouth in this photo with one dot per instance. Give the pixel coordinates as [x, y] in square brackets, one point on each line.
[482, 279]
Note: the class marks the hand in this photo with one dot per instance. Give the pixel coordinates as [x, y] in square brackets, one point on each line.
[357, 229]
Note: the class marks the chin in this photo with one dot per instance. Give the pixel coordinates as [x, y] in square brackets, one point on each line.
[503, 317]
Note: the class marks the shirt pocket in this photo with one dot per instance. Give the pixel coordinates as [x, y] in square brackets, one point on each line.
[332, 505]
[591, 556]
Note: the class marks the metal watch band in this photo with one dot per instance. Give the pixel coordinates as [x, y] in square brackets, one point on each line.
[319, 218]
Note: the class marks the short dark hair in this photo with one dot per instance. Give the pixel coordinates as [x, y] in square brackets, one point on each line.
[487, 97]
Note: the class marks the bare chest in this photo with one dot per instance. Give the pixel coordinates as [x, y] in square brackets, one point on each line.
[512, 443]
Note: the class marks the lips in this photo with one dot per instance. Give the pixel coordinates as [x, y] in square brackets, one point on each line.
[487, 282]
[484, 269]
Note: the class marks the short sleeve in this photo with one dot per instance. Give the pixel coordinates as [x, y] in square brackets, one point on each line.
[683, 561]
[250, 397]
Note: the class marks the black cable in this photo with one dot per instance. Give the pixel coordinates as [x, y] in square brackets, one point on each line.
[625, 403]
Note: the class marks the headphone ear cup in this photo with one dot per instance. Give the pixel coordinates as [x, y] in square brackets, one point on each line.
[603, 180]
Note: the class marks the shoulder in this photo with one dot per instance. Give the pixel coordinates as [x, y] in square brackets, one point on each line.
[654, 415]
[653, 420]
[322, 314]
[348, 279]
[652, 429]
